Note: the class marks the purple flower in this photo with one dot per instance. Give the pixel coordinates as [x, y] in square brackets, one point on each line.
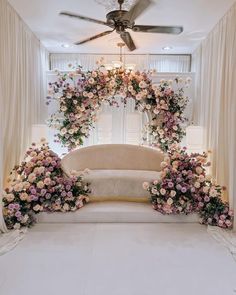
[16, 206]
[68, 187]
[33, 191]
[54, 163]
[63, 194]
[18, 214]
[183, 190]
[69, 194]
[170, 184]
[206, 199]
[48, 196]
[11, 206]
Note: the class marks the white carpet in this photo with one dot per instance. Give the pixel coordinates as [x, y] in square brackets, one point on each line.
[118, 259]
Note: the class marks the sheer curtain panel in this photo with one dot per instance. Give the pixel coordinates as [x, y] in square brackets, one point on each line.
[161, 63]
[215, 100]
[23, 62]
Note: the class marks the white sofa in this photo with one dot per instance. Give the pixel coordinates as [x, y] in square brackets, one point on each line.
[117, 171]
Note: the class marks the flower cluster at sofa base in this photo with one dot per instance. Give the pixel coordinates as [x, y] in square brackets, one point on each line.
[185, 188]
[37, 185]
[80, 95]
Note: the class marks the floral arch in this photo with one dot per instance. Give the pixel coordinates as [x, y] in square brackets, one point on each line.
[80, 95]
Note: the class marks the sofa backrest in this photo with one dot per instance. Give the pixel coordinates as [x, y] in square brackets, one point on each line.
[113, 157]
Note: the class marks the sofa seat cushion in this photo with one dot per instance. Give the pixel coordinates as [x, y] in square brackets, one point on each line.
[112, 211]
[119, 185]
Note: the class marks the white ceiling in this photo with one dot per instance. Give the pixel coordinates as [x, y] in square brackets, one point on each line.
[198, 17]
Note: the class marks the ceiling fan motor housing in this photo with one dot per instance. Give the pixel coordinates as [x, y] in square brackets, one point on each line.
[116, 19]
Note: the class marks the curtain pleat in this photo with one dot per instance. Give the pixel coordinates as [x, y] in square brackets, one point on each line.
[22, 70]
[161, 63]
[214, 63]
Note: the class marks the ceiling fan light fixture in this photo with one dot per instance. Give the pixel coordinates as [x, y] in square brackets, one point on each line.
[108, 67]
[117, 64]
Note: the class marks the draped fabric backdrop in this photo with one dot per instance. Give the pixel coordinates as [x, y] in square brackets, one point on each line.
[161, 63]
[22, 75]
[215, 99]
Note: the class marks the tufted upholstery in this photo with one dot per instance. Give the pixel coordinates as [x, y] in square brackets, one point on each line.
[117, 171]
[113, 157]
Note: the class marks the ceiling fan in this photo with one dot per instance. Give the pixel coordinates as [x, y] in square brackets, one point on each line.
[120, 20]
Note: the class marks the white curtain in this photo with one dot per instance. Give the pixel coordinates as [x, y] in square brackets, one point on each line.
[161, 63]
[22, 75]
[170, 63]
[215, 99]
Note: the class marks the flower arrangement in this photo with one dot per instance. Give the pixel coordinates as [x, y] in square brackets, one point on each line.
[185, 188]
[37, 185]
[80, 95]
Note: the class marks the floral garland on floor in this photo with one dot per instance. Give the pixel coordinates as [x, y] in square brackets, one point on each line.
[37, 185]
[80, 95]
[184, 188]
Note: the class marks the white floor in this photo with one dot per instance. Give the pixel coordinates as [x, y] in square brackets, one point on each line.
[118, 259]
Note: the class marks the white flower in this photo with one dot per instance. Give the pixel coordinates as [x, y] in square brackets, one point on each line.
[138, 96]
[63, 108]
[10, 197]
[213, 192]
[173, 193]
[142, 84]
[41, 169]
[40, 184]
[66, 207]
[90, 95]
[146, 185]
[170, 201]
[162, 191]
[91, 81]
[164, 164]
[197, 184]
[208, 177]
[18, 187]
[199, 170]
[37, 208]
[94, 74]
[154, 190]
[23, 196]
[201, 178]
[130, 88]
[154, 87]
[71, 131]
[63, 131]
[17, 225]
[206, 189]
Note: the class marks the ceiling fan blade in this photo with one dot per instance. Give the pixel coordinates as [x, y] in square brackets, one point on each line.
[137, 9]
[158, 29]
[71, 14]
[94, 37]
[126, 37]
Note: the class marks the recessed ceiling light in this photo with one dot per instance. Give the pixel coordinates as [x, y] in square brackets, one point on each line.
[167, 48]
[66, 45]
